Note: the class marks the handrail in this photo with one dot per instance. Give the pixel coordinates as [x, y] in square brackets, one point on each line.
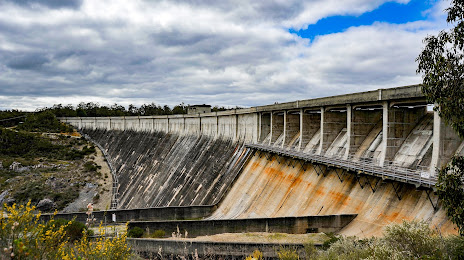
[370, 166]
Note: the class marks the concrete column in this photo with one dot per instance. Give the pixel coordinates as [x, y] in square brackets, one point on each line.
[437, 150]
[385, 107]
[270, 128]
[258, 138]
[123, 123]
[217, 125]
[167, 124]
[236, 126]
[199, 124]
[285, 130]
[94, 123]
[80, 122]
[445, 143]
[319, 151]
[349, 132]
[184, 127]
[301, 129]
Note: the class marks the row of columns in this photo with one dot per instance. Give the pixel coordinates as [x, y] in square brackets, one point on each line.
[396, 122]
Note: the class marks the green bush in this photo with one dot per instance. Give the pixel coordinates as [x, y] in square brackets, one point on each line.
[135, 232]
[44, 122]
[74, 230]
[158, 234]
[91, 166]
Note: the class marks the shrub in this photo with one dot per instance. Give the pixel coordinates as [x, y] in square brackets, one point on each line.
[24, 236]
[74, 229]
[287, 254]
[257, 255]
[158, 234]
[135, 232]
[91, 166]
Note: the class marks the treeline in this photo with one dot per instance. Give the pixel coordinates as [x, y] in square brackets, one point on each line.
[95, 110]
[10, 118]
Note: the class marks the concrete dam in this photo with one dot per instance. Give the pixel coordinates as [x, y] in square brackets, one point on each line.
[373, 154]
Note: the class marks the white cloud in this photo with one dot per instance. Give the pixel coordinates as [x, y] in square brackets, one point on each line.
[219, 52]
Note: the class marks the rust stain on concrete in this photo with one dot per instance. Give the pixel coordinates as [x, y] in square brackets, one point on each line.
[270, 189]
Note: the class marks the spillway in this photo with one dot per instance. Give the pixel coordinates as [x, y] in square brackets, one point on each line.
[274, 188]
[156, 169]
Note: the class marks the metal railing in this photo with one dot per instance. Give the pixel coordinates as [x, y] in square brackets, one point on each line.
[114, 194]
[389, 170]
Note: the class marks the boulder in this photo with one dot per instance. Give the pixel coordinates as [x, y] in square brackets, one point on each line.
[46, 205]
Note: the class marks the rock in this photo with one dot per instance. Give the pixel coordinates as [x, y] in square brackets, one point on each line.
[46, 205]
[3, 196]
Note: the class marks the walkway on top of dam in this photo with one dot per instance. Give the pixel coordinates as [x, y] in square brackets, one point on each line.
[390, 172]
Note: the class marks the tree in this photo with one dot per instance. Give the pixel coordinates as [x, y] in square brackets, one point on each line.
[442, 65]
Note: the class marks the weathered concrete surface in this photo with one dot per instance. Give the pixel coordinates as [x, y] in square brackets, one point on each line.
[269, 189]
[173, 249]
[158, 169]
[290, 225]
[147, 214]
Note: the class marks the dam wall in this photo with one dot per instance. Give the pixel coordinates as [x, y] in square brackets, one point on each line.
[271, 187]
[385, 127]
[156, 169]
[203, 159]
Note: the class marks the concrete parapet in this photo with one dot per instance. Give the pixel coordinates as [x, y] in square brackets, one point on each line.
[147, 214]
[153, 248]
[291, 225]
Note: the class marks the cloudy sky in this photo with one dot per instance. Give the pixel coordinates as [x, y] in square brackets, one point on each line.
[228, 53]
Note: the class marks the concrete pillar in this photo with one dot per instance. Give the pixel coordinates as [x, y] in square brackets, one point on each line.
[199, 124]
[184, 127]
[167, 124]
[349, 132]
[301, 129]
[270, 128]
[285, 129]
[94, 123]
[123, 123]
[385, 107]
[217, 125]
[319, 151]
[445, 143]
[258, 138]
[236, 126]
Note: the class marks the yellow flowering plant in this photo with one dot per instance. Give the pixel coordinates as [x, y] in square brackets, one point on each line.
[24, 236]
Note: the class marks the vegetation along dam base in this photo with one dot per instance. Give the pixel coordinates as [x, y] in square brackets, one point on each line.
[350, 164]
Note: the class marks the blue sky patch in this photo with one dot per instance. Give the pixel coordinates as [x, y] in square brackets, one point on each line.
[390, 12]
